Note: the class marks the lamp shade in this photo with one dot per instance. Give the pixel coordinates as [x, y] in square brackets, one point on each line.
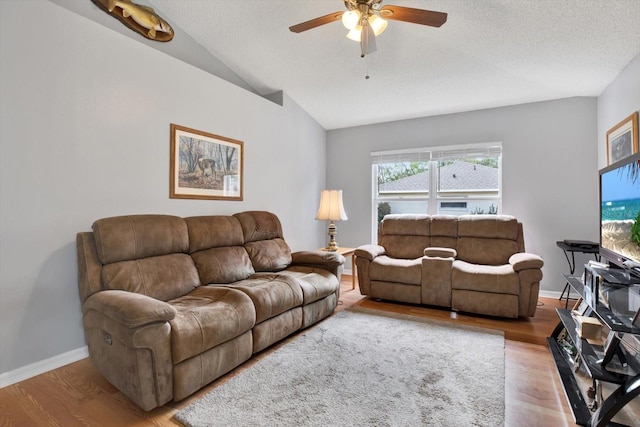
[331, 207]
[350, 19]
[378, 24]
[355, 33]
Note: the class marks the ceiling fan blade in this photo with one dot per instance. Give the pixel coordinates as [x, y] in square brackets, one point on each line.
[316, 22]
[417, 16]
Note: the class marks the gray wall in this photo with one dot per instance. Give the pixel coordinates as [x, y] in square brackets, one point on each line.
[617, 102]
[85, 114]
[550, 162]
[182, 46]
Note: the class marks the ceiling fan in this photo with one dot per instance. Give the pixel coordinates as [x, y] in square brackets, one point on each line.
[366, 19]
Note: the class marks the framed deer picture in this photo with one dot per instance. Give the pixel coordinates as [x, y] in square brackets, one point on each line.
[204, 165]
[622, 139]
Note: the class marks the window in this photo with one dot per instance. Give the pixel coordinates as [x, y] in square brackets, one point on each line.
[452, 180]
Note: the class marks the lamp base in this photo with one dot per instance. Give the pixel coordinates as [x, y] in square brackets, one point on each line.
[333, 230]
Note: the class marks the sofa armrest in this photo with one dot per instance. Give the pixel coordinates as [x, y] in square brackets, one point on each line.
[323, 259]
[529, 269]
[129, 309]
[370, 251]
[440, 252]
[525, 261]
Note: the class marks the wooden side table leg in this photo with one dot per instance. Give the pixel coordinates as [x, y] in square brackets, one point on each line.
[353, 271]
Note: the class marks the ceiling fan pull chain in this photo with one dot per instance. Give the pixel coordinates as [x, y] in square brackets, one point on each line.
[366, 67]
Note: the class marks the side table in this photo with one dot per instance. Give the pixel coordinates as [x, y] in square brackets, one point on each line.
[584, 248]
[346, 252]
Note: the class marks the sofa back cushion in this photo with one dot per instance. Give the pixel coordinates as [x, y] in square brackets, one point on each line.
[215, 244]
[131, 237]
[444, 231]
[264, 241]
[405, 235]
[487, 239]
[162, 277]
[145, 254]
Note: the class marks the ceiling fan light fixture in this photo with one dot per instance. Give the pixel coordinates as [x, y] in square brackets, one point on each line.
[355, 34]
[377, 24]
[365, 20]
[350, 19]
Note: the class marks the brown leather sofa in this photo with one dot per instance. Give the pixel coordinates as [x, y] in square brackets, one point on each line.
[170, 304]
[470, 263]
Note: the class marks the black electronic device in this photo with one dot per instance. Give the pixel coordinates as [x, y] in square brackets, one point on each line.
[615, 290]
[592, 280]
[585, 244]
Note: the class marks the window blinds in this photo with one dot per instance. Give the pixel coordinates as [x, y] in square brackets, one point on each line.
[474, 151]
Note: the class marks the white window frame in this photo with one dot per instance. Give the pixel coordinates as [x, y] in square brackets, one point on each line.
[431, 155]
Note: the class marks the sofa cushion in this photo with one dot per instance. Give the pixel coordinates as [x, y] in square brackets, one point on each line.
[316, 283]
[264, 241]
[444, 225]
[206, 232]
[259, 225]
[139, 236]
[161, 277]
[207, 317]
[387, 269]
[487, 239]
[444, 231]
[272, 294]
[407, 247]
[407, 225]
[215, 243]
[223, 265]
[269, 255]
[486, 251]
[405, 235]
[488, 226]
[500, 279]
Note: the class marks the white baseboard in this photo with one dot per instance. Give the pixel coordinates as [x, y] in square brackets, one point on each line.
[37, 368]
[553, 294]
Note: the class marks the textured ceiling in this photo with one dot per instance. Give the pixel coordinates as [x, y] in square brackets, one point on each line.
[489, 53]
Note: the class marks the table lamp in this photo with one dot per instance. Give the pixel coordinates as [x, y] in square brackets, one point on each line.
[331, 209]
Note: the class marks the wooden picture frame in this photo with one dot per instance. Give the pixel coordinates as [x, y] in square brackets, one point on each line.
[205, 166]
[622, 139]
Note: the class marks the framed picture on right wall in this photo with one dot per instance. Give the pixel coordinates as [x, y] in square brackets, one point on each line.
[622, 139]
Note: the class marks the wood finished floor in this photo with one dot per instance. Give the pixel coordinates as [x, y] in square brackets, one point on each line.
[77, 394]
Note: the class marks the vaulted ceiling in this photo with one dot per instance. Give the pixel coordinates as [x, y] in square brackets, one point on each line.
[489, 53]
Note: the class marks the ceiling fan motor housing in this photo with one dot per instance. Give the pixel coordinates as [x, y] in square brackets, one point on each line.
[364, 6]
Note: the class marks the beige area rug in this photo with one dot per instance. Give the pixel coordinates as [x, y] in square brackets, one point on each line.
[366, 368]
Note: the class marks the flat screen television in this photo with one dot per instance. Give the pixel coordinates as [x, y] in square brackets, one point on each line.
[620, 214]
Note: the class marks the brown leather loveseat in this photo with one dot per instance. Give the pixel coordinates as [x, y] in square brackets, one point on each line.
[170, 304]
[470, 263]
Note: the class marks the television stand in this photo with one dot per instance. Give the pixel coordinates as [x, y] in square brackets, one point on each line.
[590, 371]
